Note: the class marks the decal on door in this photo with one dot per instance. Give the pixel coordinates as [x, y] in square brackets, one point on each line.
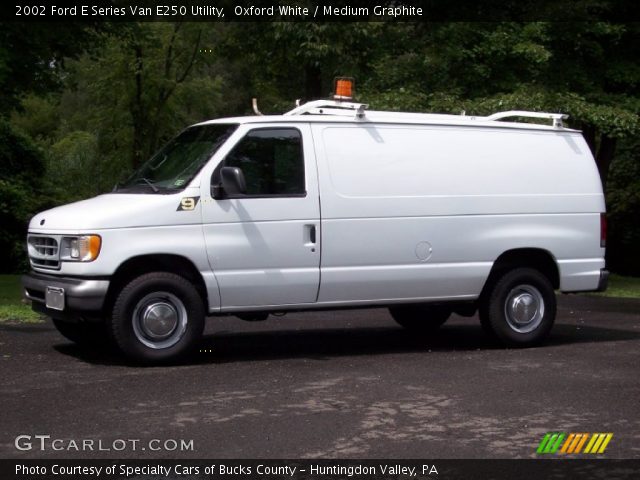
[188, 203]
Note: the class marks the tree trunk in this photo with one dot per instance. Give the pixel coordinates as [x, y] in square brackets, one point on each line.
[137, 112]
[313, 82]
[606, 151]
[589, 134]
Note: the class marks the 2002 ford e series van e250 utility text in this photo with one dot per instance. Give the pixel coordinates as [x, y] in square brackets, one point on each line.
[328, 206]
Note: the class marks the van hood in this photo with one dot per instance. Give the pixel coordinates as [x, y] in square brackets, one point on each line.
[115, 210]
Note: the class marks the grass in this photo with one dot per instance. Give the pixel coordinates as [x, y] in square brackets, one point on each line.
[13, 309]
[622, 287]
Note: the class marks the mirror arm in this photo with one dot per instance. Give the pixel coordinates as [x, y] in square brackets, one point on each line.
[217, 191]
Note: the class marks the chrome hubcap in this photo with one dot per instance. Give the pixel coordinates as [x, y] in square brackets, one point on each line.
[524, 308]
[159, 320]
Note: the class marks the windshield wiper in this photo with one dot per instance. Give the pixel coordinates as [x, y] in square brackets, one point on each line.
[148, 182]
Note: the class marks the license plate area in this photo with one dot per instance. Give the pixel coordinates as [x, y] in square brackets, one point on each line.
[54, 298]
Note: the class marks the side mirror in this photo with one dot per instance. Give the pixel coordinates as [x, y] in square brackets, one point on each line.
[231, 183]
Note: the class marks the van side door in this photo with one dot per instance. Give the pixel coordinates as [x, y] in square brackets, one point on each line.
[264, 245]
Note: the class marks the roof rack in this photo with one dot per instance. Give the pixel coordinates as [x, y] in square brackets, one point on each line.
[555, 117]
[333, 107]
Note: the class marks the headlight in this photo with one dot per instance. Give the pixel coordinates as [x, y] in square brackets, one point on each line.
[83, 248]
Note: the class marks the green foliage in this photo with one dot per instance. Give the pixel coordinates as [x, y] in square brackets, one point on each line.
[588, 70]
[281, 61]
[21, 194]
[118, 105]
[623, 204]
[622, 287]
[72, 161]
[39, 116]
[32, 56]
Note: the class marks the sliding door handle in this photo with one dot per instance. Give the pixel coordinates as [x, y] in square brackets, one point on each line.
[310, 236]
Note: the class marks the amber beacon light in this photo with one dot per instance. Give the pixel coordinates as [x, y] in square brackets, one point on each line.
[343, 88]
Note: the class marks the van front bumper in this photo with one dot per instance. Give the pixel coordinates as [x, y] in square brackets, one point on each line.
[81, 295]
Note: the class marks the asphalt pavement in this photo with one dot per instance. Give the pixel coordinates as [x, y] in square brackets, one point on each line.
[348, 384]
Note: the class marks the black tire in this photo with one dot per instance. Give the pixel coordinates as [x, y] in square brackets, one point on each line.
[84, 334]
[166, 299]
[519, 307]
[420, 318]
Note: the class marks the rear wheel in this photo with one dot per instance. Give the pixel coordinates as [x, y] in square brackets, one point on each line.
[157, 317]
[421, 318]
[519, 308]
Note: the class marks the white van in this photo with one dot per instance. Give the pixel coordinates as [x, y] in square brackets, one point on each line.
[328, 206]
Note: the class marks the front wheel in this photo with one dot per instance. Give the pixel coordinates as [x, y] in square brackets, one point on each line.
[519, 308]
[157, 317]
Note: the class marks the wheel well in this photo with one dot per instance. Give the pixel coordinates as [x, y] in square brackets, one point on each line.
[535, 258]
[136, 266]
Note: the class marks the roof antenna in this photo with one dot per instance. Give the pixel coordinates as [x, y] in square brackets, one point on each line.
[254, 104]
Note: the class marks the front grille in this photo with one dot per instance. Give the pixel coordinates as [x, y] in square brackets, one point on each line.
[44, 251]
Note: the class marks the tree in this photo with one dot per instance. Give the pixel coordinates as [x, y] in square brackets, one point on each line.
[31, 58]
[623, 203]
[21, 194]
[30, 61]
[161, 62]
[120, 103]
[283, 61]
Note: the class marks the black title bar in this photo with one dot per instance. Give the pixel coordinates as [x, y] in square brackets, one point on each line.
[218, 469]
[320, 11]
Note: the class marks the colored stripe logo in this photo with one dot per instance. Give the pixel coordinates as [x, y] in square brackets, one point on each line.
[572, 443]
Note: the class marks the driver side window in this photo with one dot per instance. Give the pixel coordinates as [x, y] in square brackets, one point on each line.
[272, 162]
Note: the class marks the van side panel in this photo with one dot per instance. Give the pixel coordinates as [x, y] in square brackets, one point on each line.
[422, 212]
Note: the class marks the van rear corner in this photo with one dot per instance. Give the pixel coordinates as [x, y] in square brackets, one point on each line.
[584, 275]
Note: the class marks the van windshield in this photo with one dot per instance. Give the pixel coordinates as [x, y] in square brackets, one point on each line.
[175, 164]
